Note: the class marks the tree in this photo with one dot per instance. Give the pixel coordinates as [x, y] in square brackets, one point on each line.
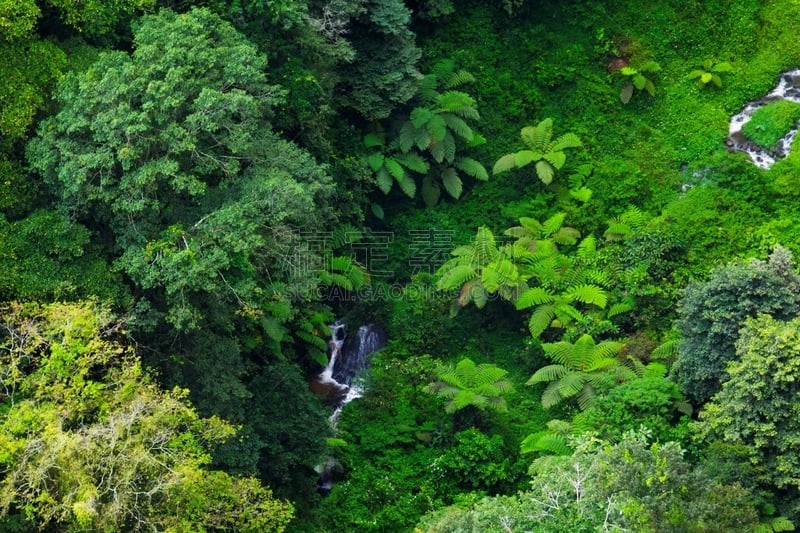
[89, 441]
[383, 74]
[171, 150]
[579, 370]
[481, 386]
[713, 312]
[757, 405]
[631, 486]
[541, 148]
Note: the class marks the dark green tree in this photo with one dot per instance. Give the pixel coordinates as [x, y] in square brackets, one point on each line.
[713, 312]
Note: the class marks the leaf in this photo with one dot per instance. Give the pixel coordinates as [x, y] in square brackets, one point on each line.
[724, 66]
[548, 373]
[626, 93]
[639, 81]
[384, 181]
[695, 74]
[472, 168]
[458, 126]
[375, 161]
[545, 172]
[650, 88]
[650, 66]
[408, 186]
[455, 277]
[452, 183]
[507, 162]
[395, 169]
[413, 162]
[584, 194]
[568, 140]
[553, 224]
[557, 159]
[540, 319]
[372, 140]
[436, 127]
[420, 116]
[430, 191]
[377, 210]
[523, 157]
[588, 294]
[628, 71]
[533, 296]
[716, 80]
[705, 77]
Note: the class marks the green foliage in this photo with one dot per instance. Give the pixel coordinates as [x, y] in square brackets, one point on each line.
[383, 74]
[709, 72]
[542, 149]
[481, 386]
[771, 123]
[474, 461]
[757, 405]
[635, 78]
[652, 402]
[48, 257]
[713, 312]
[27, 74]
[627, 486]
[169, 148]
[430, 140]
[86, 432]
[580, 369]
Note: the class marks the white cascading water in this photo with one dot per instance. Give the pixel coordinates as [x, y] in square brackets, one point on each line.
[788, 88]
[348, 358]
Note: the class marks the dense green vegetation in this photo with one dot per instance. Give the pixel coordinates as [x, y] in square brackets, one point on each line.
[591, 302]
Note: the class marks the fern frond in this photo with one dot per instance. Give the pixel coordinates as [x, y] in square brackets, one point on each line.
[384, 180]
[375, 161]
[524, 157]
[553, 224]
[449, 147]
[427, 88]
[588, 294]
[546, 442]
[472, 168]
[623, 306]
[408, 186]
[533, 296]
[454, 102]
[540, 319]
[551, 396]
[571, 384]
[568, 140]
[484, 246]
[505, 163]
[456, 277]
[407, 137]
[557, 159]
[545, 172]
[436, 127]
[666, 350]
[372, 140]
[452, 183]
[538, 137]
[458, 126]
[395, 169]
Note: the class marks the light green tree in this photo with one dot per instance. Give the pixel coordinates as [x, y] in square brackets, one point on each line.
[89, 442]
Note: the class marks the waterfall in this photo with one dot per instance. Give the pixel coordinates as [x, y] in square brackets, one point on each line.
[341, 381]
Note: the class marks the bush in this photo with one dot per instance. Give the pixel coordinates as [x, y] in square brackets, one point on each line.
[770, 123]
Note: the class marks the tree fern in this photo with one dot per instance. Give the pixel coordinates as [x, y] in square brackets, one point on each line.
[470, 385]
[452, 183]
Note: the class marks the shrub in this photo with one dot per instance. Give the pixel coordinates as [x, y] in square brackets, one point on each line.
[770, 123]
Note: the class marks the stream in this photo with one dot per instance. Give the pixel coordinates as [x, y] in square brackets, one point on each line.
[788, 88]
